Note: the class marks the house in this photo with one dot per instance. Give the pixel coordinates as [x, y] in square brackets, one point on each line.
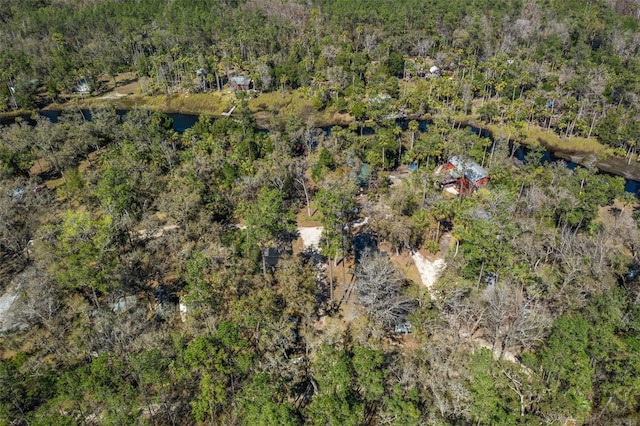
[241, 82]
[464, 175]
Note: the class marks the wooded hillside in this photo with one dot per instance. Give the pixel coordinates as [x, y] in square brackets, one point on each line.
[303, 275]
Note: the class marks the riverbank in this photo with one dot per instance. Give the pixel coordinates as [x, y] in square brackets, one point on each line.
[582, 151]
[272, 110]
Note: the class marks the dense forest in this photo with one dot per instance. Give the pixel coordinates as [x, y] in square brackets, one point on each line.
[151, 276]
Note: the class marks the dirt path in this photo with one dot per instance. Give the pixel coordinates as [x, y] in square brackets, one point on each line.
[311, 234]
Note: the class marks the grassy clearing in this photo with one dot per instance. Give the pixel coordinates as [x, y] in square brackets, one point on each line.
[277, 107]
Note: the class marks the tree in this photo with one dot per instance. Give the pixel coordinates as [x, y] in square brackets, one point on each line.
[379, 288]
[23, 389]
[335, 401]
[335, 202]
[298, 170]
[511, 317]
[86, 259]
[117, 193]
[267, 220]
[413, 128]
[567, 364]
[219, 362]
[401, 408]
[490, 405]
[324, 164]
[262, 403]
[368, 365]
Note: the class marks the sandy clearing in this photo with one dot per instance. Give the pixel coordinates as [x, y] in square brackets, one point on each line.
[310, 237]
[429, 271]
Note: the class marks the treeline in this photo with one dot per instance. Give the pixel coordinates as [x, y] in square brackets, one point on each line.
[567, 66]
[533, 321]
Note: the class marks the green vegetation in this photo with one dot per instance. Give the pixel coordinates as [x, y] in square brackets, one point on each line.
[159, 277]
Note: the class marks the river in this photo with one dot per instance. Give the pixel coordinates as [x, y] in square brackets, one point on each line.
[612, 166]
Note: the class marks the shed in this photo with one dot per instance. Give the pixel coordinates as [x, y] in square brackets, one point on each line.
[271, 256]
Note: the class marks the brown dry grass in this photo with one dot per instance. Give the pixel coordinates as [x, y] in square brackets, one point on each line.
[304, 220]
[613, 218]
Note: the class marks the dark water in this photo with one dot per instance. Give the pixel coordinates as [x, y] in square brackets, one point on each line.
[182, 122]
[179, 122]
[632, 186]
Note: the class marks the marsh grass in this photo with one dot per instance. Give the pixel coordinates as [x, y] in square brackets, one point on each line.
[553, 142]
[534, 136]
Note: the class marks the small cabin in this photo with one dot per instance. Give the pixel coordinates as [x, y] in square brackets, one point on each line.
[241, 82]
[464, 175]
